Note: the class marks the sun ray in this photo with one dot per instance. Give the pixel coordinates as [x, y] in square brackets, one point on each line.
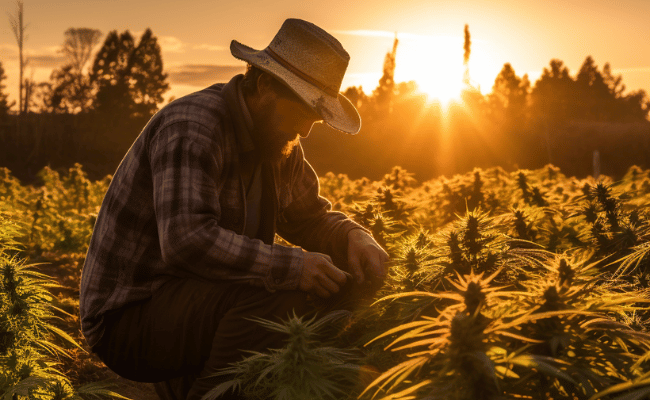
[435, 64]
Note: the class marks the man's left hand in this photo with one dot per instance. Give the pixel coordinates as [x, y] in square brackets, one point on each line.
[366, 259]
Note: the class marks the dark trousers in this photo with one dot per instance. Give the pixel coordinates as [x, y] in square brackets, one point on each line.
[190, 329]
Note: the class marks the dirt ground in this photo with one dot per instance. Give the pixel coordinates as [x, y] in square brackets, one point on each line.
[83, 367]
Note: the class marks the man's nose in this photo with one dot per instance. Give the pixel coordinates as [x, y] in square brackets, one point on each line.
[305, 128]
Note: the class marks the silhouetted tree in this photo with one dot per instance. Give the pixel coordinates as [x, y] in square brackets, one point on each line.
[507, 109]
[149, 82]
[28, 86]
[4, 102]
[357, 96]
[467, 51]
[41, 98]
[128, 80]
[615, 83]
[383, 94]
[631, 107]
[405, 89]
[473, 100]
[509, 97]
[596, 102]
[637, 105]
[109, 75]
[553, 97]
[71, 90]
[78, 46]
[18, 26]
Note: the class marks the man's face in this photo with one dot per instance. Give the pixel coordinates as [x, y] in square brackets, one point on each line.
[280, 122]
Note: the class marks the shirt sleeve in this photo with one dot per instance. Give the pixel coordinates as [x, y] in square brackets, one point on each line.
[187, 168]
[308, 221]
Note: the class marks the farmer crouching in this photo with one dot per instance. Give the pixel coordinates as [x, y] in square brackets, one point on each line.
[182, 254]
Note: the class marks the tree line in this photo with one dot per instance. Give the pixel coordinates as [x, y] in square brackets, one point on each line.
[91, 110]
[561, 119]
[125, 78]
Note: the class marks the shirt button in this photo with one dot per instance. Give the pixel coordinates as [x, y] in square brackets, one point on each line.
[277, 281]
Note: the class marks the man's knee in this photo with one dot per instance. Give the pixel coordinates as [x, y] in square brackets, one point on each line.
[286, 303]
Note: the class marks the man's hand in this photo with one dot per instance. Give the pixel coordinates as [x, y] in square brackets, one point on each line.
[366, 258]
[320, 276]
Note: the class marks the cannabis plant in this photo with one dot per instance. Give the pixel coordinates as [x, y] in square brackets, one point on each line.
[305, 368]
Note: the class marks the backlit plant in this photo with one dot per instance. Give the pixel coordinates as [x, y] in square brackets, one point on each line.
[524, 284]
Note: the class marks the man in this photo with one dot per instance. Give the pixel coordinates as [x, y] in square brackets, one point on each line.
[183, 255]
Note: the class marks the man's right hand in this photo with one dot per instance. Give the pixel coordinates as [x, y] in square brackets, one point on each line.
[320, 276]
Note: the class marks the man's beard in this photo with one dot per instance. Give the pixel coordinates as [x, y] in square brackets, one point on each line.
[272, 145]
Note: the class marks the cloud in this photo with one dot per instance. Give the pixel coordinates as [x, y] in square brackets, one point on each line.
[203, 74]
[366, 32]
[45, 60]
[403, 36]
[633, 69]
[8, 51]
[171, 44]
[208, 47]
[44, 57]
[391, 35]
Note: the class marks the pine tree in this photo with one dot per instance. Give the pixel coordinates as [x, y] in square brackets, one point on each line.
[553, 97]
[509, 93]
[595, 99]
[146, 70]
[109, 76]
[128, 79]
[4, 102]
[385, 91]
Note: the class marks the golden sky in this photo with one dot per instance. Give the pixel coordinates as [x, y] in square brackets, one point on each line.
[195, 35]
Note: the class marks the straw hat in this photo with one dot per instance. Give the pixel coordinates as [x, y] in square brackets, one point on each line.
[311, 62]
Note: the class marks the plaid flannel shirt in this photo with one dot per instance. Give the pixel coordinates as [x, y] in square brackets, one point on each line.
[176, 207]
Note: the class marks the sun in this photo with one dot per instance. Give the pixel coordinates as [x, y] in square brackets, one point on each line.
[444, 88]
[434, 63]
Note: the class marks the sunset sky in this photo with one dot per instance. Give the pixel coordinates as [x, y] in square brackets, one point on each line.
[195, 35]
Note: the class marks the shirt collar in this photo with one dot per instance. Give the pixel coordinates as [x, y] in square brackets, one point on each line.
[241, 116]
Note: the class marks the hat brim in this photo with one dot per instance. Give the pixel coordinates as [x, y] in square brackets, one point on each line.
[338, 112]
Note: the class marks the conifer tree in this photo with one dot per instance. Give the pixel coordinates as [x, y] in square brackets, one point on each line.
[4, 102]
[509, 93]
[109, 75]
[128, 79]
[384, 92]
[596, 100]
[146, 70]
[553, 97]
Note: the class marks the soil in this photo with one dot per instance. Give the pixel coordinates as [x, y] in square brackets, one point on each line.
[83, 366]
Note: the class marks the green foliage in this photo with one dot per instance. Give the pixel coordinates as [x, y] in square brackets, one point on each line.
[531, 285]
[60, 214]
[502, 285]
[303, 369]
[31, 346]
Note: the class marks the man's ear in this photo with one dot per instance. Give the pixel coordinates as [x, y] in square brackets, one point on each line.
[264, 84]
